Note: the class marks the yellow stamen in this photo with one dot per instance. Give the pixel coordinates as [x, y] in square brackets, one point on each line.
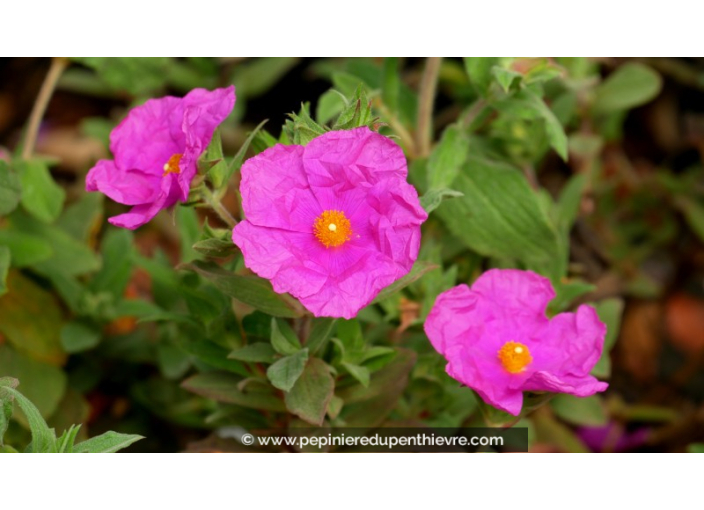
[515, 357]
[332, 228]
[171, 166]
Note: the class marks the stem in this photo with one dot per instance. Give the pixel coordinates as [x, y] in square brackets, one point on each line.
[58, 64]
[219, 209]
[474, 112]
[406, 137]
[428, 86]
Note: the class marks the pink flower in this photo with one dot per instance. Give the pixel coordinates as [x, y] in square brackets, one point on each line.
[498, 341]
[333, 222]
[156, 148]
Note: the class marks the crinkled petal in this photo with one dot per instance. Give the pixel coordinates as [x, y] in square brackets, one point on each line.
[330, 282]
[451, 318]
[349, 158]
[486, 378]
[580, 386]
[511, 291]
[143, 213]
[203, 112]
[275, 191]
[129, 187]
[149, 136]
[573, 342]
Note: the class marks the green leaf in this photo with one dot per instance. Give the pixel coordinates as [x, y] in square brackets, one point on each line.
[283, 338]
[251, 290]
[357, 113]
[319, 333]
[610, 312]
[259, 352]
[587, 411]
[212, 161]
[77, 336]
[369, 407]
[417, 271]
[255, 77]
[434, 197]
[237, 161]
[310, 396]
[479, 72]
[447, 158]
[70, 256]
[217, 248]
[173, 362]
[567, 292]
[81, 219]
[30, 319]
[506, 78]
[41, 196]
[10, 189]
[360, 373]
[696, 448]
[139, 76]
[391, 83]
[214, 355]
[500, 214]
[301, 128]
[569, 201]
[630, 85]
[116, 270]
[43, 438]
[26, 249]
[4, 268]
[6, 405]
[110, 442]
[65, 443]
[330, 105]
[693, 213]
[43, 384]
[525, 104]
[284, 373]
[224, 387]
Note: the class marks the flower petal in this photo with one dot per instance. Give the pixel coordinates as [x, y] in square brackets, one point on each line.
[203, 112]
[345, 159]
[511, 291]
[149, 136]
[143, 213]
[581, 386]
[330, 282]
[486, 378]
[275, 191]
[129, 187]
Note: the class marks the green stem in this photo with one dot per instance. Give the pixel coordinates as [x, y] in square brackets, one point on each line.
[426, 100]
[58, 64]
[218, 208]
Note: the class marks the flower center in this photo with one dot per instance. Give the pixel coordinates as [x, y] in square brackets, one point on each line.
[515, 357]
[171, 166]
[332, 228]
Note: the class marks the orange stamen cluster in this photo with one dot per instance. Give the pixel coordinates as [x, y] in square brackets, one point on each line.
[515, 357]
[332, 228]
[171, 166]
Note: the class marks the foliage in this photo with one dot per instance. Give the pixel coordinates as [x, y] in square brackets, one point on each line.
[166, 325]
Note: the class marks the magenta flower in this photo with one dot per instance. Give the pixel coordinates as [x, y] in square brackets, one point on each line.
[331, 223]
[498, 341]
[156, 148]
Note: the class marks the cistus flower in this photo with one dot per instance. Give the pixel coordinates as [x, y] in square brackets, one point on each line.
[331, 223]
[498, 341]
[156, 148]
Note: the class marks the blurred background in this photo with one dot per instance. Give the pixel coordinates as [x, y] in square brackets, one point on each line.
[101, 356]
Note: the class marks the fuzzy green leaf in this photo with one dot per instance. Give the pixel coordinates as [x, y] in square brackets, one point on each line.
[285, 372]
[41, 196]
[110, 442]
